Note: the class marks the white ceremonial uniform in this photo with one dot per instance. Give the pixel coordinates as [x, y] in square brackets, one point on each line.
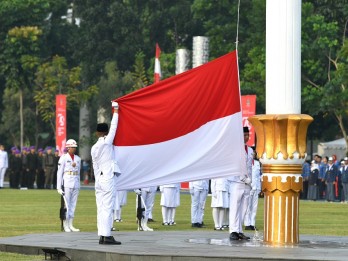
[3, 166]
[199, 192]
[219, 191]
[177, 199]
[169, 201]
[250, 215]
[120, 201]
[68, 177]
[148, 194]
[219, 201]
[105, 167]
[239, 195]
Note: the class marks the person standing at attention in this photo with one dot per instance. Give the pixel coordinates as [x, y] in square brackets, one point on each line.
[330, 180]
[313, 180]
[344, 173]
[68, 182]
[105, 171]
[48, 166]
[250, 216]
[199, 192]
[3, 164]
[239, 194]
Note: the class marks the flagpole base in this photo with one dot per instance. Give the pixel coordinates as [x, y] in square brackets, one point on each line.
[281, 146]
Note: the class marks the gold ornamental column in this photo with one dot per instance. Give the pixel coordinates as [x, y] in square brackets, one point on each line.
[281, 146]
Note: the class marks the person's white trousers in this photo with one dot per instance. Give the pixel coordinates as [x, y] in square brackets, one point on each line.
[239, 200]
[105, 199]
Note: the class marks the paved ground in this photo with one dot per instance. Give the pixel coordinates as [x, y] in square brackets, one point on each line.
[175, 246]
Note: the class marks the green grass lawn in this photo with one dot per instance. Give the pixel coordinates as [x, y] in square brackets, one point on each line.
[37, 211]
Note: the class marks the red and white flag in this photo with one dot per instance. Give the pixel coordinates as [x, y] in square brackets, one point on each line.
[157, 75]
[187, 127]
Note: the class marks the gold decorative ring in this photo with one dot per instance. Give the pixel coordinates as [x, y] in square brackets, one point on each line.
[279, 169]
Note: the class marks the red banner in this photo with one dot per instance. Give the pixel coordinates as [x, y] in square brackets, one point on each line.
[60, 123]
[249, 109]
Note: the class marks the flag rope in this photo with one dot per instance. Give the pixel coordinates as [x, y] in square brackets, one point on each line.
[237, 25]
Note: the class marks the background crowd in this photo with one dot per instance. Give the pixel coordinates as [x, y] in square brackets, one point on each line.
[30, 166]
[325, 178]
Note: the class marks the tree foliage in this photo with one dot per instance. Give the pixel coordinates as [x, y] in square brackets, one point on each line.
[139, 74]
[325, 62]
[113, 48]
[54, 77]
[112, 84]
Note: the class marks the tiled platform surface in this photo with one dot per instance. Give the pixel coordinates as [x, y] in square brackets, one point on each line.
[176, 246]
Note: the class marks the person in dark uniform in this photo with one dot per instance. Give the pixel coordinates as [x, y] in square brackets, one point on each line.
[40, 178]
[344, 175]
[330, 180]
[17, 169]
[24, 175]
[322, 171]
[32, 167]
[313, 182]
[11, 158]
[48, 163]
[55, 167]
[305, 173]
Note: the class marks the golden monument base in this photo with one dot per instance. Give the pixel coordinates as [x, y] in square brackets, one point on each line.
[281, 147]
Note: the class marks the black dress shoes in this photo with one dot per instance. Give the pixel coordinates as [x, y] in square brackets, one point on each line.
[234, 236]
[250, 228]
[108, 241]
[243, 237]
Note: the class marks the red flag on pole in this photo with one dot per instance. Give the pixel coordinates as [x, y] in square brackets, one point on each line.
[157, 75]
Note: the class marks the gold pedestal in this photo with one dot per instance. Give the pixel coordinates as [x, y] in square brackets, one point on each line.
[281, 146]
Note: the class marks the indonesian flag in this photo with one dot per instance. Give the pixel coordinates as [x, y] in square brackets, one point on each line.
[157, 75]
[187, 127]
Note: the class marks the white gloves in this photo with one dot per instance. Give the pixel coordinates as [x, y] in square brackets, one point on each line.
[61, 192]
[247, 181]
[114, 105]
[137, 191]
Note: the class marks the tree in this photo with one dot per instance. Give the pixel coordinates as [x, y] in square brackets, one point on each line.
[53, 78]
[108, 32]
[45, 15]
[17, 13]
[20, 58]
[113, 84]
[220, 23]
[325, 63]
[117, 30]
[139, 74]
